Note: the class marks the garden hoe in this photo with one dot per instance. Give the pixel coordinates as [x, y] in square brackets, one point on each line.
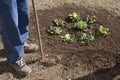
[38, 30]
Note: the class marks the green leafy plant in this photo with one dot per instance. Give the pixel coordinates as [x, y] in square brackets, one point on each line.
[86, 38]
[68, 38]
[80, 25]
[102, 31]
[55, 30]
[59, 23]
[91, 19]
[74, 16]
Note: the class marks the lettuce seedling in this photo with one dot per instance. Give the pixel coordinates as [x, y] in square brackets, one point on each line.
[91, 19]
[86, 38]
[59, 23]
[80, 25]
[102, 31]
[74, 16]
[68, 38]
[55, 30]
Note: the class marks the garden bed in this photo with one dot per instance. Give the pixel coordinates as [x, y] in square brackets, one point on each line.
[72, 61]
[99, 54]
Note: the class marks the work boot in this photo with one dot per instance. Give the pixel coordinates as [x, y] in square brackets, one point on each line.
[20, 67]
[30, 48]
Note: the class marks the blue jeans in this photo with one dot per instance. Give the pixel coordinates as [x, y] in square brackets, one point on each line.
[14, 19]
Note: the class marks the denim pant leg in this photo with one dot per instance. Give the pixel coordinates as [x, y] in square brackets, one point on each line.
[9, 30]
[23, 18]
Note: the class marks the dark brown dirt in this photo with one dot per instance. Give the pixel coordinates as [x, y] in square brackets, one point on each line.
[97, 55]
[96, 61]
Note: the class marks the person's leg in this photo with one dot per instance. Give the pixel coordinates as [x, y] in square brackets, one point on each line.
[23, 21]
[9, 31]
[23, 18]
[11, 36]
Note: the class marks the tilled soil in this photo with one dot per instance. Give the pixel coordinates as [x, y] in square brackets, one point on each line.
[96, 61]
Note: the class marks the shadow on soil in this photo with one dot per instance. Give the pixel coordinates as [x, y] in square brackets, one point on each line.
[2, 53]
[4, 68]
[102, 74]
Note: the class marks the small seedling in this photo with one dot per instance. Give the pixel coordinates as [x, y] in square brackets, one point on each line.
[86, 38]
[80, 25]
[68, 38]
[59, 23]
[74, 16]
[55, 30]
[102, 31]
[91, 19]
